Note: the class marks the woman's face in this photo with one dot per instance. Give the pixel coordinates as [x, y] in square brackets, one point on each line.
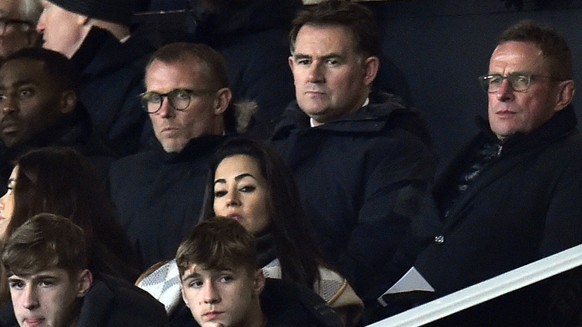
[7, 204]
[240, 193]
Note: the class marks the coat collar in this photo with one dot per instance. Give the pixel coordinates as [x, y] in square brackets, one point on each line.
[560, 125]
[199, 147]
[557, 128]
[371, 118]
[101, 52]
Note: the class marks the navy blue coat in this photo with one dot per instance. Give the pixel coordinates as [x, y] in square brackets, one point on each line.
[361, 179]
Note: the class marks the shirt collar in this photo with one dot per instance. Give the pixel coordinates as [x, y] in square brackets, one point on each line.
[315, 123]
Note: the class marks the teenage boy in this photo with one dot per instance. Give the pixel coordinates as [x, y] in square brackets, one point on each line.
[223, 285]
[45, 261]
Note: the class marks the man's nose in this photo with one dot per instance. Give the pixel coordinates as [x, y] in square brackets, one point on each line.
[9, 105]
[210, 294]
[166, 109]
[29, 298]
[505, 91]
[315, 73]
[40, 25]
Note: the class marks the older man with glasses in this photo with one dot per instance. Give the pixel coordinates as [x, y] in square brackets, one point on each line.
[512, 196]
[17, 25]
[158, 193]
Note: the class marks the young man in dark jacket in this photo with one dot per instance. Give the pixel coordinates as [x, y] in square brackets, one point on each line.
[39, 107]
[223, 285]
[46, 263]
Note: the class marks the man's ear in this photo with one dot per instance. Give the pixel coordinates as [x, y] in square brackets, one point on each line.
[258, 282]
[565, 95]
[68, 101]
[371, 67]
[223, 97]
[85, 282]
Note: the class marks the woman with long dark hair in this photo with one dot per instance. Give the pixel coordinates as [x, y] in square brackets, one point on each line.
[61, 181]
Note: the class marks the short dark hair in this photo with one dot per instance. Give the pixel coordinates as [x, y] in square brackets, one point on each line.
[554, 47]
[211, 61]
[55, 63]
[291, 229]
[356, 18]
[217, 243]
[45, 241]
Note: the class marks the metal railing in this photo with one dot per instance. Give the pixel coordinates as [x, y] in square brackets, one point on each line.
[487, 290]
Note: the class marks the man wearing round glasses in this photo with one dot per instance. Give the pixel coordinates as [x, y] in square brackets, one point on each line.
[17, 21]
[158, 193]
[525, 88]
[512, 196]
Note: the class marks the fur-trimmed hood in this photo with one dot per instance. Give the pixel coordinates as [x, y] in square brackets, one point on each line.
[243, 114]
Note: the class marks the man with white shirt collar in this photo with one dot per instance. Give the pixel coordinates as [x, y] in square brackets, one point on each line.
[362, 161]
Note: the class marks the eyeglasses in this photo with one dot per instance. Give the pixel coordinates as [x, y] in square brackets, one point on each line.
[179, 99]
[518, 82]
[10, 25]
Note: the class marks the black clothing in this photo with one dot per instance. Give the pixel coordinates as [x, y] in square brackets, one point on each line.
[361, 179]
[253, 39]
[112, 76]
[110, 302]
[158, 195]
[284, 304]
[523, 205]
[72, 130]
